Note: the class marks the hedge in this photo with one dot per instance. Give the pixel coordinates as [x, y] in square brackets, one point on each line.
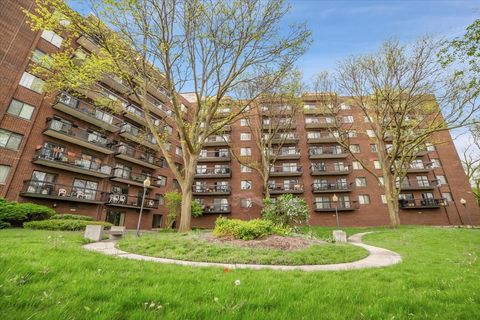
[64, 225]
[67, 216]
[17, 213]
[246, 230]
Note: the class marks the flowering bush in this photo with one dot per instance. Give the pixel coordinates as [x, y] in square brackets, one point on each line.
[246, 230]
[286, 211]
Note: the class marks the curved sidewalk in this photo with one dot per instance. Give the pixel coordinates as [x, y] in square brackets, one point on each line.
[377, 258]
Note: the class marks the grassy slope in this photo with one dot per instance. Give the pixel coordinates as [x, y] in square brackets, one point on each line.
[53, 278]
[194, 247]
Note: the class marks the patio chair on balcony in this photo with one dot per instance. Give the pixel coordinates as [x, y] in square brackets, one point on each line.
[62, 192]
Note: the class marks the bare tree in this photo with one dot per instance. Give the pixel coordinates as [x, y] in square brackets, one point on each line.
[407, 98]
[471, 161]
[209, 47]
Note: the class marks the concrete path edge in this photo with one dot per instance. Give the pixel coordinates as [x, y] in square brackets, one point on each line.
[377, 258]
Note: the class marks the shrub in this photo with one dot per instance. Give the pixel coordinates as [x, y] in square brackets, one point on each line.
[4, 225]
[197, 209]
[173, 201]
[63, 225]
[286, 211]
[67, 216]
[16, 213]
[246, 230]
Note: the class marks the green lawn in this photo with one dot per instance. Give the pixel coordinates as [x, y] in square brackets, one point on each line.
[195, 247]
[46, 275]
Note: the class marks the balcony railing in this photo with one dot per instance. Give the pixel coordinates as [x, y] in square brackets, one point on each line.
[286, 171]
[123, 200]
[61, 192]
[87, 112]
[216, 208]
[133, 155]
[285, 188]
[331, 187]
[217, 140]
[283, 138]
[327, 152]
[422, 203]
[210, 189]
[134, 133]
[349, 205]
[317, 169]
[320, 122]
[85, 138]
[418, 185]
[314, 109]
[321, 137]
[68, 161]
[220, 172]
[419, 167]
[126, 176]
[214, 155]
[279, 125]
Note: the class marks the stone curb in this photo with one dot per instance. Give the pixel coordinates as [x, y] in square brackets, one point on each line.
[377, 258]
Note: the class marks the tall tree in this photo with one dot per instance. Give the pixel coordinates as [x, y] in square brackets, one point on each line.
[471, 161]
[408, 99]
[209, 47]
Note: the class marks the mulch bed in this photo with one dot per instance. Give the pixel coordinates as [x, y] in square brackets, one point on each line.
[270, 242]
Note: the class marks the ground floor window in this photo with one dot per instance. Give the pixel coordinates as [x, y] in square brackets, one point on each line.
[157, 221]
[117, 218]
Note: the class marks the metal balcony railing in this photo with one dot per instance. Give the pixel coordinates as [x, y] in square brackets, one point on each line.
[213, 171]
[211, 188]
[325, 169]
[216, 208]
[140, 155]
[116, 199]
[332, 206]
[43, 189]
[422, 203]
[78, 133]
[335, 186]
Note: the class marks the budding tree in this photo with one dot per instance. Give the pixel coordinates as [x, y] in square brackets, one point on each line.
[207, 47]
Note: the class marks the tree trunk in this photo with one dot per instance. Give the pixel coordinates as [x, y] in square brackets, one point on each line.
[265, 186]
[187, 196]
[392, 202]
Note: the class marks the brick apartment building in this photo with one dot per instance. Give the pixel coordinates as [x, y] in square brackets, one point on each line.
[62, 152]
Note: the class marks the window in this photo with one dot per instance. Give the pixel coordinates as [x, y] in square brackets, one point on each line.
[10, 140]
[364, 199]
[168, 129]
[377, 164]
[361, 182]
[157, 221]
[447, 196]
[245, 152]
[161, 181]
[115, 218]
[441, 180]
[430, 147]
[87, 189]
[383, 198]
[20, 109]
[246, 203]
[352, 133]
[422, 181]
[31, 82]
[436, 163]
[52, 37]
[345, 107]
[38, 55]
[357, 165]
[4, 171]
[381, 181]
[245, 136]
[243, 122]
[354, 148]
[245, 169]
[246, 184]
[373, 147]
[347, 119]
[370, 133]
[178, 151]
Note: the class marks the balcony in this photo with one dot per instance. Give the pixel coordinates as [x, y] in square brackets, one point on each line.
[286, 171]
[60, 192]
[216, 208]
[210, 190]
[89, 113]
[88, 43]
[419, 168]
[270, 110]
[133, 133]
[217, 141]
[287, 154]
[418, 185]
[274, 126]
[318, 169]
[84, 138]
[215, 172]
[115, 83]
[285, 188]
[422, 203]
[317, 110]
[320, 123]
[126, 201]
[70, 162]
[155, 106]
[285, 138]
[131, 154]
[159, 92]
[327, 153]
[321, 137]
[214, 156]
[127, 177]
[331, 187]
[329, 206]
[135, 114]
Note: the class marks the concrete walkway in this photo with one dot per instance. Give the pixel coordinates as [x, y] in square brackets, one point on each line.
[377, 258]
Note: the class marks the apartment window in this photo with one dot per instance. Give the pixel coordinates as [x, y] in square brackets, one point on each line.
[246, 203]
[245, 136]
[157, 221]
[37, 56]
[361, 182]
[31, 82]
[356, 165]
[245, 169]
[347, 119]
[168, 129]
[377, 164]
[381, 181]
[447, 196]
[178, 151]
[345, 106]
[370, 133]
[161, 181]
[88, 188]
[352, 133]
[243, 122]
[20, 109]
[4, 171]
[383, 198]
[354, 148]
[373, 147]
[423, 181]
[246, 184]
[430, 147]
[245, 152]
[366, 119]
[441, 180]
[10, 140]
[52, 37]
[436, 163]
[364, 199]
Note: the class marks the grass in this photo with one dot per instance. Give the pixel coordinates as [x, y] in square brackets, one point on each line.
[195, 247]
[46, 275]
